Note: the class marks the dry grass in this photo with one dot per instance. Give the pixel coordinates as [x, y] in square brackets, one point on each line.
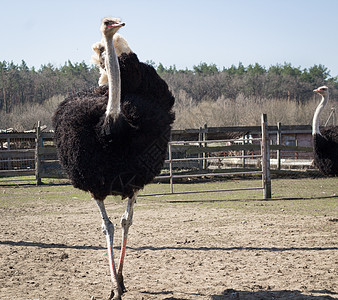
[243, 111]
[191, 113]
[26, 116]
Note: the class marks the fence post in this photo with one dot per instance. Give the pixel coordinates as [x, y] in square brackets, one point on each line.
[37, 155]
[265, 149]
[243, 153]
[205, 137]
[170, 168]
[9, 159]
[200, 155]
[279, 142]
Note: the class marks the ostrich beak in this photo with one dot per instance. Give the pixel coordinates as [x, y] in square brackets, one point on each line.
[117, 25]
[316, 91]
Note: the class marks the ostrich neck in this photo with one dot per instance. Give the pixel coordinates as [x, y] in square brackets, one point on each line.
[114, 81]
[315, 122]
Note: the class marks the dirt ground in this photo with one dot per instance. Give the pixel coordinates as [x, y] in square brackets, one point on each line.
[176, 250]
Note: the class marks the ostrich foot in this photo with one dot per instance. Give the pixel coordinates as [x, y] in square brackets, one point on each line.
[111, 295]
[121, 283]
[115, 294]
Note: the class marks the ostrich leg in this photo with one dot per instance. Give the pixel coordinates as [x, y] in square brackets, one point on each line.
[108, 230]
[126, 221]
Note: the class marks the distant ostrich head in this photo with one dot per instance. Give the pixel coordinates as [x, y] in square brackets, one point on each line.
[322, 90]
[98, 58]
[110, 26]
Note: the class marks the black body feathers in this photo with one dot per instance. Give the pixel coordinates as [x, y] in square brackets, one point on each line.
[325, 148]
[106, 157]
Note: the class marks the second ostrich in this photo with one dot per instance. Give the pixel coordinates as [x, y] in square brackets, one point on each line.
[325, 141]
[113, 140]
[120, 45]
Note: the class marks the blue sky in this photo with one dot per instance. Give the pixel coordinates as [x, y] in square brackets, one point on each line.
[176, 32]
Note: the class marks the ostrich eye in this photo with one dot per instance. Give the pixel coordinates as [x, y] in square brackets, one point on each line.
[108, 23]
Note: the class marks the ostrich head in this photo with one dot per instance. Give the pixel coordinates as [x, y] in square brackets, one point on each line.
[322, 90]
[110, 26]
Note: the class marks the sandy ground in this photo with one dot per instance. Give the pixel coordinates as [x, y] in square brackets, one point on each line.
[175, 251]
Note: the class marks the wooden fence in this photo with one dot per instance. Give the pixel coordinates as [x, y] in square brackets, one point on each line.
[193, 149]
[32, 153]
[203, 146]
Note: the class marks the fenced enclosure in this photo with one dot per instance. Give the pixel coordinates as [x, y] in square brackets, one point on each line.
[17, 154]
[29, 153]
[193, 154]
[203, 151]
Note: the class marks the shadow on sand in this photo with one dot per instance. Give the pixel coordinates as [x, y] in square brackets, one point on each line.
[268, 295]
[152, 248]
[231, 294]
[252, 200]
[50, 245]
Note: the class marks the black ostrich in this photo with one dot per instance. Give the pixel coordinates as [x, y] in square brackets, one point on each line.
[325, 141]
[113, 140]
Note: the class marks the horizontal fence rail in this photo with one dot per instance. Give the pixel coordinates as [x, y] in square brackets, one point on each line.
[202, 148]
[192, 153]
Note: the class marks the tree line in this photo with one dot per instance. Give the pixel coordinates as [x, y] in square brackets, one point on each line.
[20, 84]
[207, 82]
